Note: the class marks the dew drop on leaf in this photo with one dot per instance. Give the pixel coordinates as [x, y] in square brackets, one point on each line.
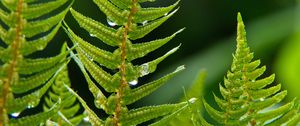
[92, 35]
[192, 100]
[144, 69]
[51, 123]
[15, 114]
[99, 100]
[30, 106]
[111, 23]
[144, 22]
[134, 82]
[261, 99]
[86, 119]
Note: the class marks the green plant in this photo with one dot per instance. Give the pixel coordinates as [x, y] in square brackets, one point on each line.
[28, 26]
[67, 114]
[246, 96]
[133, 22]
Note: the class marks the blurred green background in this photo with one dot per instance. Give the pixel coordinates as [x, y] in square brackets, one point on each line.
[208, 43]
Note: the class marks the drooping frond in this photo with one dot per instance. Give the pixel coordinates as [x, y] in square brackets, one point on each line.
[69, 107]
[128, 21]
[27, 27]
[246, 96]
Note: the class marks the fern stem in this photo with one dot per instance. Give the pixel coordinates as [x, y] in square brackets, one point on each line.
[12, 67]
[120, 91]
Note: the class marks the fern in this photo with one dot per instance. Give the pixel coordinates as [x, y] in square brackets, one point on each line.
[192, 115]
[67, 114]
[246, 98]
[132, 22]
[27, 28]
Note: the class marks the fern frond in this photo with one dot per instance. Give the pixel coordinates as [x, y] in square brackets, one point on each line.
[37, 118]
[246, 96]
[93, 118]
[192, 116]
[132, 22]
[175, 114]
[151, 112]
[68, 107]
[27, 27]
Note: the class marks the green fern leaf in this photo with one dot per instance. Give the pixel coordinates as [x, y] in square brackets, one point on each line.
[140, 31]
[28, 26]
[37, 118]
[127, 15]
[175, 114]
[192, 116]
[146, 89]
[137, 116]
[94, 119]
[245, 96]
[68, 107]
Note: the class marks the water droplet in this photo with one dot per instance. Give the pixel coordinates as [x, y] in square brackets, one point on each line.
[192, 100]
[15, 114]
[92, 35]
[51, 123]
[243, 117]
[30, 106]
[144, 22]
[100, 100]
[86, 119]
[144, 69]
[165, 14]
[252, 80]
[111, 23]
[88, 56]
[134, 82]
[261, 99]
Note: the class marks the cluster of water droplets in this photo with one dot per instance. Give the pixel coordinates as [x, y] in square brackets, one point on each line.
[33, 103]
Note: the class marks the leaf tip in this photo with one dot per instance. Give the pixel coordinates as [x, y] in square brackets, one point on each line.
[241, 32]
